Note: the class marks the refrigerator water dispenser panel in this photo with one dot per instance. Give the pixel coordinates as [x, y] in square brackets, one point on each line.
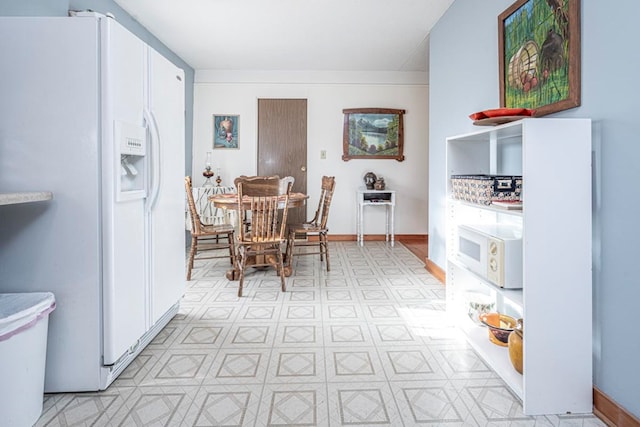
[132, 146]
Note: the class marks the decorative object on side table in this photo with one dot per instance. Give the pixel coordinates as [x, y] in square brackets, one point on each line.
[500, 326]
[370, 179]
[218, 179]
[539, 55]
[379, 184]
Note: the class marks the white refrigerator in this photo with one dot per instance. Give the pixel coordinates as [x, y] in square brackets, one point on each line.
[91, 113]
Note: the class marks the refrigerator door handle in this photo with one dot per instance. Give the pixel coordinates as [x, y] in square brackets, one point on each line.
[154, 161]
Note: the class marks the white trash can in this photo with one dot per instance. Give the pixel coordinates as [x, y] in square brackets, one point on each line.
[24, 321]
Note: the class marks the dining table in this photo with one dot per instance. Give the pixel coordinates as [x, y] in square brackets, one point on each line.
[230, 201]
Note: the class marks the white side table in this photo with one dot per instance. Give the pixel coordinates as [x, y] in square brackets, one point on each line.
[210, 215]
[386, 198]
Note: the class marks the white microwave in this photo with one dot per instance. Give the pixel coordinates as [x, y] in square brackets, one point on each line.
[492, 251]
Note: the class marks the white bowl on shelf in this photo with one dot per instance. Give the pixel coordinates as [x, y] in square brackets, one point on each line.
[477, 304]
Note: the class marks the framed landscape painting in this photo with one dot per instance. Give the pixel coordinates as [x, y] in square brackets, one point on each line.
[225, 130]
[373, 133]
[539, 51]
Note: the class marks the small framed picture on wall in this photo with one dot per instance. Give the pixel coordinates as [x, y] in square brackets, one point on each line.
[225, 130]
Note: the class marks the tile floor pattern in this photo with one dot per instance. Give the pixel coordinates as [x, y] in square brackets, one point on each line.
[363, 345]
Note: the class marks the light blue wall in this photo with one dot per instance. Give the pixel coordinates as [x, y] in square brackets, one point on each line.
[464, 79]
[61, 8]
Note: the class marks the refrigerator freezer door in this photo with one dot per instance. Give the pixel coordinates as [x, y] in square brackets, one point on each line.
[166, 213]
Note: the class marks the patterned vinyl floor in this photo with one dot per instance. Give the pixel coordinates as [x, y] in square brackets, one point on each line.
[364, 345]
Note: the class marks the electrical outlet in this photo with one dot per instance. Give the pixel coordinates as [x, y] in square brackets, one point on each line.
[323, 154]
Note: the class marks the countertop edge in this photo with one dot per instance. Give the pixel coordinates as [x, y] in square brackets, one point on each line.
[24, 197]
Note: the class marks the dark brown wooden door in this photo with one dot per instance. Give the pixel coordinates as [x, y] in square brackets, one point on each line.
[282, 144]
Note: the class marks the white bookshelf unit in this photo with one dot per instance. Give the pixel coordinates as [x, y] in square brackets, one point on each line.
[554, 158]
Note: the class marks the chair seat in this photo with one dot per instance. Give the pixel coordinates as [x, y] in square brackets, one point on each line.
[259, 241]
[307, 228]
[252, 248]
[219, 228]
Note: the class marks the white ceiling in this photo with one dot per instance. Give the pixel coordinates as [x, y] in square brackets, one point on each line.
[301, 35]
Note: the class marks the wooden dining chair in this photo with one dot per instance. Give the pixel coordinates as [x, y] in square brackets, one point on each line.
[262, 186]
[259, 185]
[256, 186]
[262, 243]
[316, 227]
[207, 238]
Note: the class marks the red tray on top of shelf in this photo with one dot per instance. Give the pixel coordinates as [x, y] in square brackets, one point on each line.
[498, 116]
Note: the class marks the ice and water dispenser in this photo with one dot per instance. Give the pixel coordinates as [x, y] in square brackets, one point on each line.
[132, 146]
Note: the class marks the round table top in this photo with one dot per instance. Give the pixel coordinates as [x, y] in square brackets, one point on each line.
[230, 201]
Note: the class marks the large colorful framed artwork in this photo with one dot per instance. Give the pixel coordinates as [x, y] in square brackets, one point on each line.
[539, 51]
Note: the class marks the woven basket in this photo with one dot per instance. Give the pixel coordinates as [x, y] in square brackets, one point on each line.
[484, 189]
